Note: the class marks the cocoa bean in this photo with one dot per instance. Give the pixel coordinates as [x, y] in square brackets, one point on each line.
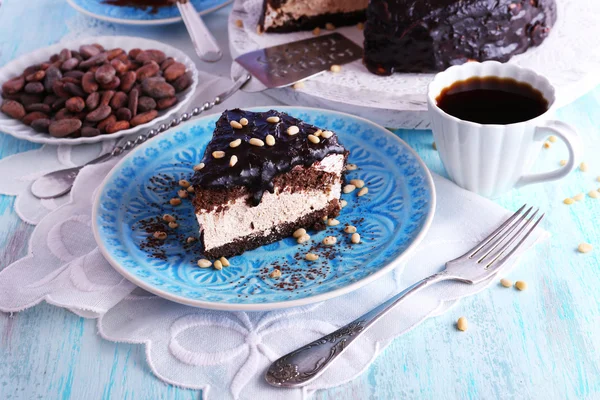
[98, 46]
[59, 89]
[34, 87]
[28, 98]
[63, 113]
[107, 97]
[75, 74]
[14, 85]
[88, 83]
[75, 104]
[89, 131]
[50, 99]
[127, 81]
[146, 103]
[183, 82]
[114, 53]
[70, 79]
[36, 76]
[54, 58]
[31, 69]
[74, 90]
[165, 103]
[157, 89]
[167, 63]
[64, 55]
[103, 124]
[98, 59]
[16, 96]
[41, 125]
[88, 51]
[32, 116]
[133, 102]
[64, 127]
[92, 101]
[53, 74]
[13, 109]
[151, 55]
[120, 99]
[100, 113]
[58, 104]
[143, 118]
[148, 70]
[119, 66]
[117, 126]
[123, 57]
[105, 74]
[123, 114]
[77, 55]
[45, 108]
[112, 85]
[174, 71]
[70, 64]
[133, 53]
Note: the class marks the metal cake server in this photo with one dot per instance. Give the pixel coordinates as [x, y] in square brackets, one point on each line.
[273, 67]
[478, 264]
[204, 42]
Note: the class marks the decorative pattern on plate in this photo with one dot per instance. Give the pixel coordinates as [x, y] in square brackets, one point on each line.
[135, 15]
[392, 217]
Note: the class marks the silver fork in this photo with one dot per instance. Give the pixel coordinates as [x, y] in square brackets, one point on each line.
[478, 264]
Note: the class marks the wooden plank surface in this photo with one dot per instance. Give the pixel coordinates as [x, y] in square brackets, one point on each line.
[543, 343]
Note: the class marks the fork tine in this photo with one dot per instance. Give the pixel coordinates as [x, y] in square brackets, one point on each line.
[505, 235]
[471, 253]
[519, 244]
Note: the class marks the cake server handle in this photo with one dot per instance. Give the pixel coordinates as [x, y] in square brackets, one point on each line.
[204, 42]
[58, 183]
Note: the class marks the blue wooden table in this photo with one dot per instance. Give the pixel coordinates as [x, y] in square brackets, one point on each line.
[543, 343]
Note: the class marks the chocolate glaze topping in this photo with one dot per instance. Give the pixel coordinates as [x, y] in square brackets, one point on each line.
[432, 35]
[257, 166]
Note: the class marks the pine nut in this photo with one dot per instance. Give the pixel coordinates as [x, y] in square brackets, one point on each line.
[363, 191]
[563, 163]
[298, 85]
[273, 119]
[462, 324]
[175, 201]
[506, 283]
[204, 263]
[235, 143]
[521, 285]
[335, 68]
[244, 121]
[224, 262]
[311, 256]
[598, 179]
[585, 248]
[270, 140]
[329, 26]
[350, 229]
[547, 145]
[160, 235]
[199, 166]
[184, 184]
[233, 160]
[173, 225]
[303, 239]
[239, 23]
[182, 193]
[316, 31]
[349, 189]
[256, 142]
[333, 222]
[360, 26]
[275, 274]
[553, 139]
[578, 197]
[190, 189]
[583, 167]
[191, 239]
[329, 240]
[327, 134]
[314, 139]
[318, 133]
[434, 146]
[594, 194]
[359, 183]
[343, 203]
[218, 154]
[355, 238]
[235, 125]
[351, 167]
[218, 265]
[169, 218]
[568, 201]
[293, 130]
[299, 232]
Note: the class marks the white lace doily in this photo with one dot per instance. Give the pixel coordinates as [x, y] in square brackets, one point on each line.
[569, 57]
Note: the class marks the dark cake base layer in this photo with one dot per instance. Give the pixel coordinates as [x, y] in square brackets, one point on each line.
[310, 23]
[282, 231]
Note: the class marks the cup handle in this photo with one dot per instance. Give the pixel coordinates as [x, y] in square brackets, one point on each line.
[574, 144]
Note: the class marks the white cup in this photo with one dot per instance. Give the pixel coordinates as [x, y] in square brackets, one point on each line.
[492, 159]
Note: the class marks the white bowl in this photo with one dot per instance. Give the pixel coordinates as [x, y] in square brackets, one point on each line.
[15, 68]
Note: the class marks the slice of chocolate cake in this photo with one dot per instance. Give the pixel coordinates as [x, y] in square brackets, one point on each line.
[265, 175]
[432, 35]
[297, 15]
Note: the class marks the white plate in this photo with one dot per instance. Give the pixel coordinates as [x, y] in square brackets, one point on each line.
[16, 67]
[569, 58]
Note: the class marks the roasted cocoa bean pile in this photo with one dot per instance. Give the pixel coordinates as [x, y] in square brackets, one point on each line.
[94, 91]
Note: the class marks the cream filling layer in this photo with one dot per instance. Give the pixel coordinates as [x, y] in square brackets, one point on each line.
[292, 10]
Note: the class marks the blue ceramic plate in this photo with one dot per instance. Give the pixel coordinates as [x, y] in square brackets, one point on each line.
[138, 16]
[392, 219]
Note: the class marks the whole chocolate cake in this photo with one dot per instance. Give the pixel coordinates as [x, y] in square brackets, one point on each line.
[423, 35]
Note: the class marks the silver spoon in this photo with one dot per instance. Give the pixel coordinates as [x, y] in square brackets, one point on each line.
[204, 43]
[59, 183]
